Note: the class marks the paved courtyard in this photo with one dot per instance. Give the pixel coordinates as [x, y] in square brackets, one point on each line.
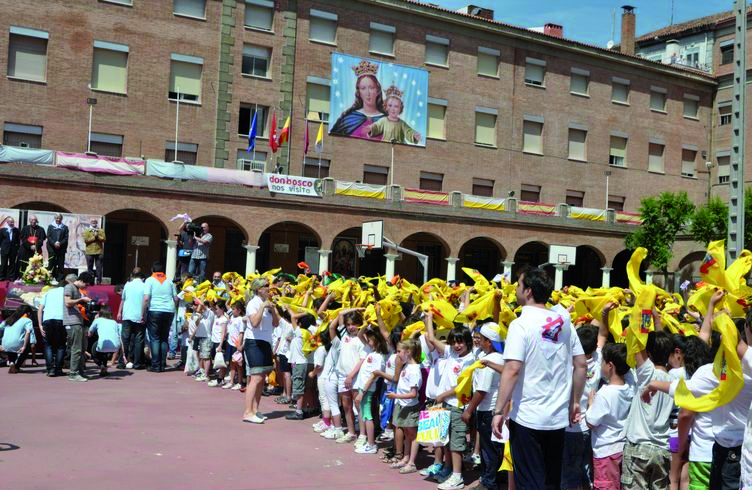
[165, 431]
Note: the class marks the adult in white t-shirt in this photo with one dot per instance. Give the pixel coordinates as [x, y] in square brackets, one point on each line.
[50, 316]
[134, 325]
[544, 371]
[260, 320]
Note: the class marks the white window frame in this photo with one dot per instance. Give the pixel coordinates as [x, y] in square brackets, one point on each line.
[611, 157]
[530, 121]
[25, 32]
[437, 43]
[319, 82]
[684, 168]
[622, 82]
[108, 46]
[578, 74]
[658, 94]
[581, 129]
[694, 100]
[491, 53]
[261, 4]
[490, 112]
[541, 65]
[326, 19]
[437, 103]
[382, 30]
[432, 177]
[248, 50]
[657, 163]
[193, 60]
[188, 16]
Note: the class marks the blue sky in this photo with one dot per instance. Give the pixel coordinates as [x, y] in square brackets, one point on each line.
[590, 20]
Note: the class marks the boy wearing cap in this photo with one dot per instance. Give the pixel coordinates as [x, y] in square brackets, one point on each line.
[485, 393]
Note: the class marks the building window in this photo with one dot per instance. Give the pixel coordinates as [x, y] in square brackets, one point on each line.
[109, 71]
[436, 121]
[437, 50]
[655, 157]
[253, 160]
[620, 91]
[530, 193]
[727, 53]
[314, 170]
[259, 14]
[535, 71]
[22, 135]
[532, 137]
[658, 99]
[724, 111]
[577, 144]
[375, 174]
[488, 62]
[381, 40]
[27, 54]
[618, 152]
[323, 27]
[485, 127]
[688, 162]
[483, 187]
[190, 8]
[110, 145]
[318, 102]
[245, 118]
[575, 198]
[616, 202]
[579, 81]
[120, 2]
[187, 152]
[256, 60]
[185, 77]
[724, 169]
[431, 181]
[691, 106]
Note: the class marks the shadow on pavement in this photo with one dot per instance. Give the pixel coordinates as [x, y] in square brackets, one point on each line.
[6, 446]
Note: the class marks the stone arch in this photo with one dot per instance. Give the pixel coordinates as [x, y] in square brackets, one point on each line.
[120, 252]
[228, 237]
[689, 267]
[345, 259]
[482, 253]
[586, 272]
[285, 244]
[430, 244]
[619, 269]
[41, 206]
[533, 253]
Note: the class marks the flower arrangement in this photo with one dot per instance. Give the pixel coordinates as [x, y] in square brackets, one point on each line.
[35, 272]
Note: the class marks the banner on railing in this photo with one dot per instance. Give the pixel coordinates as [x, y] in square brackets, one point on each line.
[99, 164]
[528, 207]
[294, 185]
[480, 202]
[356, 189]
[591, 214]
[426, 197]
[628, 218]
[15, 154]
[168, 170]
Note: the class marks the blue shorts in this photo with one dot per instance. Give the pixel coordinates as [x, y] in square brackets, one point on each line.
[577, 460]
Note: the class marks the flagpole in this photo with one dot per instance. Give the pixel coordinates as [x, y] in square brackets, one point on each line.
[177, 122]
[255, 111]
[289, 140]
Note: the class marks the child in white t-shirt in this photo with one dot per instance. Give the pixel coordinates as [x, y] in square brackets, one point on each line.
[218, 336]
[457, 351]
[348, 363]
[373, 361]
[607, 417]
[233, 352]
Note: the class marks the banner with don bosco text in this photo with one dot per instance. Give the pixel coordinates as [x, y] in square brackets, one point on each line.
[295, 185]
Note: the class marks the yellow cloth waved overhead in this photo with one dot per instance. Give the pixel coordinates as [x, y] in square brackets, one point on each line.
[480, 309]
[310, 342]
[464, 388]
[738, 269]
[633, 269]
[443, 313]
[713, 268]
[481, 283]
[726, 367]
[640, 322]
[412, 328]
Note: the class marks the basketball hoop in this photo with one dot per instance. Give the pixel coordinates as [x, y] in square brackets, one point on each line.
[563, 265]
[362, 248]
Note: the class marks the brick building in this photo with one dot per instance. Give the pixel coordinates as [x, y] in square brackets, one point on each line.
[512, 112]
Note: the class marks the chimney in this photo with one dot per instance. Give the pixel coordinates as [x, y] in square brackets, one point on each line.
[554, 30]
[627, 42]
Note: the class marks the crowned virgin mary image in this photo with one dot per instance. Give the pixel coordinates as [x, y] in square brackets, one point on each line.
[367, 108]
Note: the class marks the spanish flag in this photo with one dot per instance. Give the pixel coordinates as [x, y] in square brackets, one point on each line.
[285, 133]
[319, 145]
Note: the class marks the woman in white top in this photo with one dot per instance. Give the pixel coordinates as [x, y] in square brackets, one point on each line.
[260, 320]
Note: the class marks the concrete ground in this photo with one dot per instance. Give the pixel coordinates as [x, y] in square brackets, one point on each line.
[136, 429]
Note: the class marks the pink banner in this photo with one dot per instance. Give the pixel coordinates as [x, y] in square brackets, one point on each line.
[100, 164]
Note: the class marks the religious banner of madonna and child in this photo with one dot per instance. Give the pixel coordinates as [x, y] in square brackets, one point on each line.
[378, 101]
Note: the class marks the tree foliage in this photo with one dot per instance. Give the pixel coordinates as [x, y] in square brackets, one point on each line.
[662, 219]
[710, 222]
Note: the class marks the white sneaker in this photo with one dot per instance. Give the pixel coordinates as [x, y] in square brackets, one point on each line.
[476, 459]
[366, 449]
[227, 378]
[227, 386]
[345, 438]
[362, 441]
[201, 378]
[236, 387]
[332, 433]
[129, 365]
[385, 436]
[261, 416]
[317, 424]
[255, 419]
[321, 429]
[454, 482]
[213, 383]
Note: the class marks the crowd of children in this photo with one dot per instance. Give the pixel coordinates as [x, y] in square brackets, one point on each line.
[377, 354]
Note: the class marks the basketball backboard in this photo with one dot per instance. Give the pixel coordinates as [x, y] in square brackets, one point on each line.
[562, 254]
[372, 234]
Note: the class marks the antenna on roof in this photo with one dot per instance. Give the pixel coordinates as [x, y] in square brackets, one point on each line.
[610, 43]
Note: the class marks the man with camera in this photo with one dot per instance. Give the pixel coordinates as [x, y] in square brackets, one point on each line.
[73, 320]
[200, 256]
[94, 238]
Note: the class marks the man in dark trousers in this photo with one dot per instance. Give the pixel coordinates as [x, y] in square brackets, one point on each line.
[9, 240]
[57, 246]
[32, 238]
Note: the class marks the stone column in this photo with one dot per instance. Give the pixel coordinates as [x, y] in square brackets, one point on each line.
[506, 270]
[324, 261]
[250, 258]
[606, 282]
[390, 258]
[172, 258]
[451, 268]
[559, 276]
